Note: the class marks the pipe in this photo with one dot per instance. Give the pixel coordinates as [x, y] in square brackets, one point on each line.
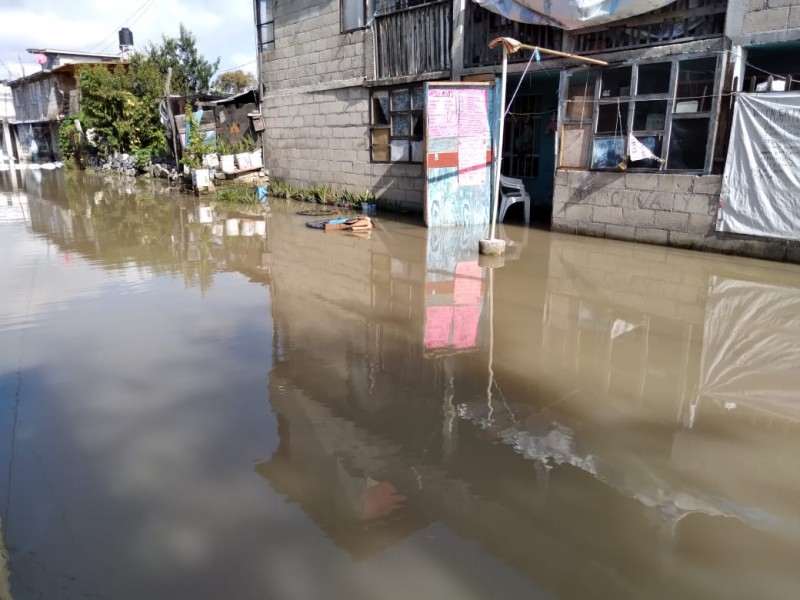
[498, 155]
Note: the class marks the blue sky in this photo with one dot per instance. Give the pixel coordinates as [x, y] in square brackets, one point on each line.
[223, 29]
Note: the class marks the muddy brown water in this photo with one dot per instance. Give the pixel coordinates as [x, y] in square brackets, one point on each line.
[204, 403]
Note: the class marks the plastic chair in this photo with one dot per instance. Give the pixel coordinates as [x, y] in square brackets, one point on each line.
[513, 191]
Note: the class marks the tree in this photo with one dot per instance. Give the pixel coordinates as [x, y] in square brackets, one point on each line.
[120, 104]
[191, 72]
[234, 82]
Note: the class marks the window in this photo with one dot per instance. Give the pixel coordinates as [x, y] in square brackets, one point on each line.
[396, 125]
[521, 137]
[265, 23]
[670, 106]
[355, 14]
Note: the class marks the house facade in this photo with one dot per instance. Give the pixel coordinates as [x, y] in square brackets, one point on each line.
[342, 102]
[41, 100]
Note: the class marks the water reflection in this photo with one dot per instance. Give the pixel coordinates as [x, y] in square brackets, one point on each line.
[592, 419]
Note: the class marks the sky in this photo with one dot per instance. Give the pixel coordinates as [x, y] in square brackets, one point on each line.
[223, 29]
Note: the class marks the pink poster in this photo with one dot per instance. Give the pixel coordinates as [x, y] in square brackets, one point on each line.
[472, 161]
[473, 118]
[442, 113]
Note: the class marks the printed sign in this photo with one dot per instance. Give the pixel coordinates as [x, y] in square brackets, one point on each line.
[442, 113]
[473, 120]
[471, 161]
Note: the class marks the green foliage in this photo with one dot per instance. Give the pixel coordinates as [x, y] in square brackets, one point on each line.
[322, 194]
[191, 72]
[197, 146]
[69, 139]
[238, 196]
[234, 82]
[121, 105]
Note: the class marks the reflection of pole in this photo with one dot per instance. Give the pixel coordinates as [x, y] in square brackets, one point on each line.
[491, 346]
[498, 157]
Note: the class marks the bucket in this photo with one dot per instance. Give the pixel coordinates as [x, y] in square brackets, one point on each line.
[226, 163]
[369, 208]
[261, 192]
[200, 178]
[255, 159]
[243, 160]
[210, 161]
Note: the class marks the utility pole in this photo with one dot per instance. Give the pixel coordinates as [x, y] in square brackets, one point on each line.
[171, 118]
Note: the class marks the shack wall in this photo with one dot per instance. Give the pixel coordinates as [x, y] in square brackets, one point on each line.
[316, 108]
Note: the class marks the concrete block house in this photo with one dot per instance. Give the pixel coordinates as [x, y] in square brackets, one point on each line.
[341, 82]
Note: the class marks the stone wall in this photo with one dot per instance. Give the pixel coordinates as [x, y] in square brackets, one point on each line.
[316, 108]
[762, 21]
[670, 210]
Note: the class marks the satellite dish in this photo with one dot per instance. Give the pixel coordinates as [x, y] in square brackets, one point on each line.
[40, 59]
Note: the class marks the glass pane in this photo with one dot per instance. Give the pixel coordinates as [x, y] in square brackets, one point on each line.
[649, 116]
[616, 82]
[352, 14]
[687, 144]
[399, 151]
[380, 153]
[607, 152]
[695, 85]
[612, 118]
[401, 100]
[401, 125]
[380, 109]
[654, 78]
[416, 119]
[417, 98]
[653, 143]
[416, 151]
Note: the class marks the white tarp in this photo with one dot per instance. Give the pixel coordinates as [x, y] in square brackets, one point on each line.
[570, 14]
[751, 347]
[761, 185]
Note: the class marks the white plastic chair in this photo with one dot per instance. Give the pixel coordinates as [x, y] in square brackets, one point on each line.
[513, 191]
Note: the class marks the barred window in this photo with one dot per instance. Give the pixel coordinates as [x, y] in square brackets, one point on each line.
[396, 124]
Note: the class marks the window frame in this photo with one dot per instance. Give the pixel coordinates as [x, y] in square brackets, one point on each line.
[264, 8]
[630, 101]
[410, 138]
[366, 9]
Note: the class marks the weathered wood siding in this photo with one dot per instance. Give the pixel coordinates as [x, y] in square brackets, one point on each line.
[415, 40]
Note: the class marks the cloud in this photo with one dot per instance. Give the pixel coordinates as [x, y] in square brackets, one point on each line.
[223, 30]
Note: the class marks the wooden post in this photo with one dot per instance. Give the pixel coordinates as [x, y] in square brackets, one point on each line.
[498, 158]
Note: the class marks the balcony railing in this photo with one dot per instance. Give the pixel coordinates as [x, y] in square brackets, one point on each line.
[414, 40]
[482, 26]
[681, 21]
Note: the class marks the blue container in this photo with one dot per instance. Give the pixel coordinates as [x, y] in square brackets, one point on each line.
[369, 208]
[262, 192]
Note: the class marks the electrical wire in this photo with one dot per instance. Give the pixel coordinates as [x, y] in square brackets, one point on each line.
[143, 5]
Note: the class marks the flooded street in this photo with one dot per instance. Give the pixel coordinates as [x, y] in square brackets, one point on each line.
[200, 403]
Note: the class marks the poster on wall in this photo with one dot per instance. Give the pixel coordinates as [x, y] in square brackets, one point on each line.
[762, 172]
[458, 153]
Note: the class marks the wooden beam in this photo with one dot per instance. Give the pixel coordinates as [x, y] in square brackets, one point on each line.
[513, 46]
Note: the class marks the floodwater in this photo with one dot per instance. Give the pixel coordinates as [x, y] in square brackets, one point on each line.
[196, 403]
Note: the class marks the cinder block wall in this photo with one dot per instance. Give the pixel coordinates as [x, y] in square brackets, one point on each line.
[316, 108]
[670, 210]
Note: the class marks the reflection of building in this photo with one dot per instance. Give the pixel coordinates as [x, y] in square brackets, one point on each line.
[585, 471]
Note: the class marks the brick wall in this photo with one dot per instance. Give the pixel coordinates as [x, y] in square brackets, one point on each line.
[670, 210]
[316, 109]
[770, 15]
